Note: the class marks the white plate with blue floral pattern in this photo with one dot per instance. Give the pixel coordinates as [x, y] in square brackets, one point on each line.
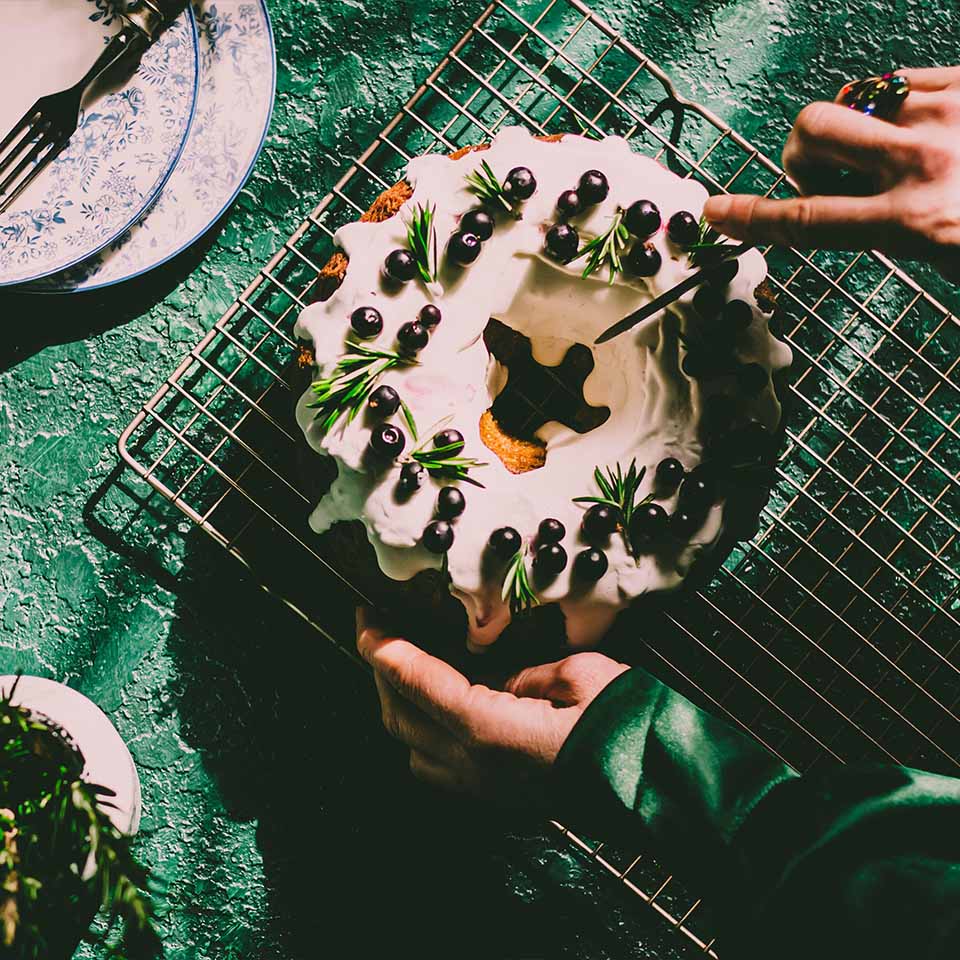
[234, 104]
[128, 141]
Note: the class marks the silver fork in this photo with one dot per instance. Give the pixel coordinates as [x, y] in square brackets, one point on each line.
[46, 128]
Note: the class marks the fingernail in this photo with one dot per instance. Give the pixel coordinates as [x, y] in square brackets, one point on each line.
[717, 209]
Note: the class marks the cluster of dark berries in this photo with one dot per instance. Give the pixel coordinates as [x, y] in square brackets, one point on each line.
[711, 345]
[562, 240]
[413, 336]
[438, 534]
[652, 525]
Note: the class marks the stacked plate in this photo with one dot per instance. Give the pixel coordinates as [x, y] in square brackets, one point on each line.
[155, 160]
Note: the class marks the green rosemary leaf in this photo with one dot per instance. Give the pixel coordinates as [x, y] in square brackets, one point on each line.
[352, 379]
[516, 586]
[411, 423]
[606, 249]
[619, 490]
[422, 241]
[483, 183]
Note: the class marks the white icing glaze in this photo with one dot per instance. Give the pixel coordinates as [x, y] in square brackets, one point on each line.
[654, 407]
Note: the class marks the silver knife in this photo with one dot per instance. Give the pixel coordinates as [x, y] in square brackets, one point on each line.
[673, 294]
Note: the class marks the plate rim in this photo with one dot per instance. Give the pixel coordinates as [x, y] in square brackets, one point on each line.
[255, 156]
[158, 186]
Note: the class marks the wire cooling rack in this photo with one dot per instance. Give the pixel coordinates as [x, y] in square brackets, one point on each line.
[834, 633]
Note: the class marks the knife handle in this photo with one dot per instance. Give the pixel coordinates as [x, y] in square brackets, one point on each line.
[152, 17]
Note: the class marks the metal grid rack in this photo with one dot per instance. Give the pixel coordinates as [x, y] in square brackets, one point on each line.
[834, 634]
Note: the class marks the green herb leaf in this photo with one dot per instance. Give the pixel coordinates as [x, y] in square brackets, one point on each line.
[483, 183]
[516, 586]
[422, 241]
[619, 490]
[606, 249]
[351, 382]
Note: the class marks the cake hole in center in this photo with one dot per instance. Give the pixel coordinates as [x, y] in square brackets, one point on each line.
[534, 395]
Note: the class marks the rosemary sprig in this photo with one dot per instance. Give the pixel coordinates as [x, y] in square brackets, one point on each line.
[483, 183]
[354, 376]
[516, 585]
[585, 131]
[422, 241]
[443, 462]
[619, 490]
[52, 826]
[606, 248]
[707, 239]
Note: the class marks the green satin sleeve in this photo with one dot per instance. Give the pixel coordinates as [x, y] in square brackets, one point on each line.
[848, 862]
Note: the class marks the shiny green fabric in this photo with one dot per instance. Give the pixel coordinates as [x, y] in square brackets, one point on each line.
[848, 862]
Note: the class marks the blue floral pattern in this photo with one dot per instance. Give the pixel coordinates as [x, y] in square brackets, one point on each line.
[234, 103]
[124, 148]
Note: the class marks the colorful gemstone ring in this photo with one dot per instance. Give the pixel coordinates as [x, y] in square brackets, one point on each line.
[876, 96]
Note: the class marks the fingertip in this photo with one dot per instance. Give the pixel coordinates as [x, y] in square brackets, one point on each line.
[717, 209]
[369, 640]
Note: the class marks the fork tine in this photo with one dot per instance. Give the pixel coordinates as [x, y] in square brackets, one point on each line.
[41, 164]
[34, 134]
[24, 121]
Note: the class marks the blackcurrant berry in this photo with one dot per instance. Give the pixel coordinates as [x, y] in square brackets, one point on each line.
[562, 242]
[683, 229]
[412, 475]
[450, 503]
[438, 536]
[384, 401]
[751, 442]
[387, 440]
[642, 219]
[696, 365]
[477, 222]
[366, 322]
[708, 302]
[593, 187]
[737, 316]
[669, 473]
[649, 524]
[590, 565]
[698, 490]
[463, 248]
[449, 438]
[643, 260]
[717, 421]
[429, 315]
[520, 184]
[400, 265]
[752, 378]
[685, 522]
[723, 273]
[569, 203]
[550, 558]
[413, 336]
[505, 542]
[599, 522]
[551, 531]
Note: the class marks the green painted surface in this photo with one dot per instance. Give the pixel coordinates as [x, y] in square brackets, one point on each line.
[276, 814]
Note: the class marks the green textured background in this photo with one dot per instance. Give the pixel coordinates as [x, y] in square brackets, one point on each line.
[275, 813]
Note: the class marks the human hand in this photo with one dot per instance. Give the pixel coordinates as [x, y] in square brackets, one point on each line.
[913, 164]
[469, 737]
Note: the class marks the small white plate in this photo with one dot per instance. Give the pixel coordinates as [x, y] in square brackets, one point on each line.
[127, 143]
[234, 104]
